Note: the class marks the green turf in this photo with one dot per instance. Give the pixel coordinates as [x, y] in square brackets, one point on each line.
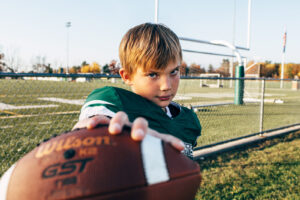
[227, 122]
[270, 170]
[22, 129]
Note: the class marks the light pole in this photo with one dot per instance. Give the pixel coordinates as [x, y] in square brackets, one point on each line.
[68, 25]
[156, 12]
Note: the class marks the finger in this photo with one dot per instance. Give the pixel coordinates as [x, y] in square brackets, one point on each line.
[117, 122]
[139, 129]
[80, 124]
[98, 119]
[91, 122]
[174, 141]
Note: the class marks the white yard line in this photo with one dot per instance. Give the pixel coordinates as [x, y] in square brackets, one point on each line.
[4, 106]
[61, 100]
[9, 126]
[36, 115]
[44, 123]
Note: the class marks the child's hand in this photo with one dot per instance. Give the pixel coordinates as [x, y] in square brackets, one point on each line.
[92, 122]
[139, 128]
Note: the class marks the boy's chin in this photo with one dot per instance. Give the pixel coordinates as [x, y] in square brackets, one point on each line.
[163, 104]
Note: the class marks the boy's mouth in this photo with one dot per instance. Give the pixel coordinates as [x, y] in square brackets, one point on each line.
[164, 98]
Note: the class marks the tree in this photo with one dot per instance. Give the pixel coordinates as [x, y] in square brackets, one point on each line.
[114, 67]
[105, 69]
[291, 70]
[183, 69]
[2, 63]
[224, 68]
[48, 69]
[196, 69]
[74, 70]
[269, 70]
[211, 68]
[95, 68]
[85, 69]
[39, 65]
[84, 63]
[12, 61]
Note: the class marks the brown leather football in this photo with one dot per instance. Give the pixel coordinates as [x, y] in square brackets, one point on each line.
[92, 164]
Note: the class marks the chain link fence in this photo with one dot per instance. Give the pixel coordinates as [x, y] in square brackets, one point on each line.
[37, 106]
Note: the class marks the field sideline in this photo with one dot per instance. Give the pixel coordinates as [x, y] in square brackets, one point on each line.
[269, 170]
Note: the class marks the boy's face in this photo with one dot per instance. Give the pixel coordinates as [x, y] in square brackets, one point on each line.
[158, 86]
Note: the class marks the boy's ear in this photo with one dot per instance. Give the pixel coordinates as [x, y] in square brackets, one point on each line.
[125, 76]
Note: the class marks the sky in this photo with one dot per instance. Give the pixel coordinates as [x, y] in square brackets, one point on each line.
[37, 28]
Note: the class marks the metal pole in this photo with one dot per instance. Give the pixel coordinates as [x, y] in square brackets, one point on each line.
[210, 43]
[245, 60]
[231, 73]
[282, 61]
[282, 72]
[68, 25]
[233, 42]
[249, 24]
[239, 85]
[209, 53]
[261, 117]
[156, 12]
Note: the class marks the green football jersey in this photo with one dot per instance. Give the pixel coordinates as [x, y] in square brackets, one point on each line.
[109, 100]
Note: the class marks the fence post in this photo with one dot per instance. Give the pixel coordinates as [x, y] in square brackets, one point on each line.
[261, 117]
[239, 85]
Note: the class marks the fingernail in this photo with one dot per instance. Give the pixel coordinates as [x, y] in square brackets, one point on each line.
[115, 127]
[181, 144]
[93, 124]
[139, 133]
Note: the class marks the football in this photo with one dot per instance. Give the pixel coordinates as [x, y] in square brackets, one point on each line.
[93, 164]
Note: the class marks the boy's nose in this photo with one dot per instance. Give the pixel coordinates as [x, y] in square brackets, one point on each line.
[165, 84]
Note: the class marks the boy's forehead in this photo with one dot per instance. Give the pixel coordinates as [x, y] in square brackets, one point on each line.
[170, 66]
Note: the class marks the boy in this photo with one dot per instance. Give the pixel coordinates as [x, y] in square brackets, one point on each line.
[150, 55]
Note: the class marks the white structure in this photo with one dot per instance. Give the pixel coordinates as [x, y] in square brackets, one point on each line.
[212, 83]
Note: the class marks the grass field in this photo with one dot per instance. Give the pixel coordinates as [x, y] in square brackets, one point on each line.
[269, 170]
[32, 110]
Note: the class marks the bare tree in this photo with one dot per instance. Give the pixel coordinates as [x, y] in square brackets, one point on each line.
[12, 60]
[2, 63]
[224, 68]
[39, 65]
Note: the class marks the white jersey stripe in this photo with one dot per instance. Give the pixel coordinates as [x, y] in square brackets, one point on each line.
[154, 160]
[95, 110]
[4, 181]
[95, 102]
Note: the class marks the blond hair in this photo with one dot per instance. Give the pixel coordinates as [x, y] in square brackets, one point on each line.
[149, 46]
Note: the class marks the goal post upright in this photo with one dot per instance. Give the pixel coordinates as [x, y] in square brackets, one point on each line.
[239, 73]
[240, 70]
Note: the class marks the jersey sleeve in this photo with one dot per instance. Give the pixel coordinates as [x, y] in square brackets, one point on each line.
[102, 101]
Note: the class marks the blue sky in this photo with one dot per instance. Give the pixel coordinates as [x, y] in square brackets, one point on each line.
[34, 28]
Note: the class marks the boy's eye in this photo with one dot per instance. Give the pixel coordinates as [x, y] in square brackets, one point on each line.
[174, 72]
[152, 75]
